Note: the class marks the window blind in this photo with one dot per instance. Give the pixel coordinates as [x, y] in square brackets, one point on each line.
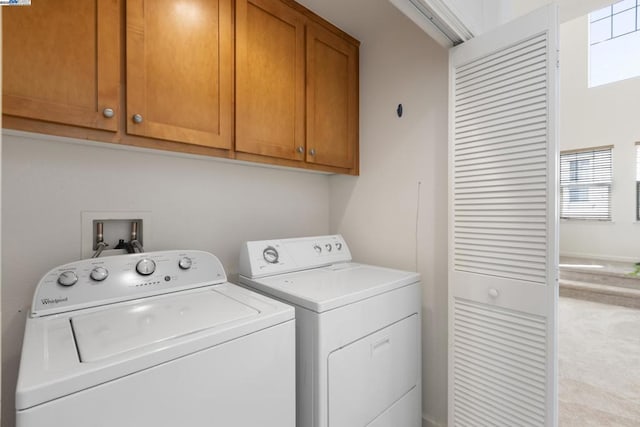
[585, 184]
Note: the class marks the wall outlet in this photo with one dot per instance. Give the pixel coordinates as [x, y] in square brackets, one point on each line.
[116, 226]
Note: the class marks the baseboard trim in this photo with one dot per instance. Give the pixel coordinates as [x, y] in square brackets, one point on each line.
[427, 422]
[598, 257]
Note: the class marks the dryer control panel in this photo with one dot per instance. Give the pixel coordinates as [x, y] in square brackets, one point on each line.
[99, 281]
[268, 257]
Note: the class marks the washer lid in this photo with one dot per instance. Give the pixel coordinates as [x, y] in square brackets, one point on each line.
[106, 333]
[176, 325]
[326, 288]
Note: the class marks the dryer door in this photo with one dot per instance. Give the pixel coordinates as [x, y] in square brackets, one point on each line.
[368, 376]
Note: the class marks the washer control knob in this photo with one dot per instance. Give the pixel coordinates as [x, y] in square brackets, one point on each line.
[185, 263]
[67, 278]
[339, 246]
[146, 266]
[270, 254]
[328, 247]
[99, 274]
[317, 248]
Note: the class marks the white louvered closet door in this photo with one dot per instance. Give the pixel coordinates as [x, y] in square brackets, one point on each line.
[503, 250]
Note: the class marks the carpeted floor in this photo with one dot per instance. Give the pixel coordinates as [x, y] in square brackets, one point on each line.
[599, 364]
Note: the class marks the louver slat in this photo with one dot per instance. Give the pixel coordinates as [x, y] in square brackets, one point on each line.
[506, 78]
[502, 228]
[512, 110]
[502, 88]
[476, 67]
[524, 91]
[517, 139]
[505, 147]
[499, 366]
[525, 61]
[504, 189]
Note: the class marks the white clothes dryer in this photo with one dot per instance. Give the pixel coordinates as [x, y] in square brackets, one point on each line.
[357, 331]
[158, 339]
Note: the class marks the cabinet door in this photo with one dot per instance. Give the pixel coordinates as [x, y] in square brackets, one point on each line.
[62, 62]
[179, 70]
[269, 79]
[332, 99]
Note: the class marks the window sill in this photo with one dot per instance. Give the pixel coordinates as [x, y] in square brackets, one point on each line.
[597, 221]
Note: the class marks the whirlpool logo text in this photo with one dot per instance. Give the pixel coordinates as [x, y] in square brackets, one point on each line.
[46, 301]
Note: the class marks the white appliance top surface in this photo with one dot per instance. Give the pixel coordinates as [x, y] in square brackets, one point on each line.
[326, 288]
[114, 341]
[113, 320]
[271, 257]
[127, 327]
[96, 282]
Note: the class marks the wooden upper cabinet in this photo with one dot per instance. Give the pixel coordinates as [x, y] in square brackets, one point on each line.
[179, 70]
[61, 62]
[332, 99]
[270, 64]
[288, 96]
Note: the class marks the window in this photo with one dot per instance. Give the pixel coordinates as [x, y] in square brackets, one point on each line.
[614, 43]
[585, 184]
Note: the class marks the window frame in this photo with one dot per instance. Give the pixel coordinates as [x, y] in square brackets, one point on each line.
[611, 16]
[611, 31]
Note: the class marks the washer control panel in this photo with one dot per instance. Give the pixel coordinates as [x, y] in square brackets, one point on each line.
[99, 281]
[267, 257]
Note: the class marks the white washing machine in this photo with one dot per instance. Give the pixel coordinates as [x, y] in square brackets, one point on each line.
[158, 339]
[358, 331]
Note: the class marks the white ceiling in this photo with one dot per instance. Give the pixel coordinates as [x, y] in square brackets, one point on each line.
[360, 17]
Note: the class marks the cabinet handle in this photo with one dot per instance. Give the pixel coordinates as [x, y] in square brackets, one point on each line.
[312, 152]
[137, 118]
[108, 113]
[300, 150]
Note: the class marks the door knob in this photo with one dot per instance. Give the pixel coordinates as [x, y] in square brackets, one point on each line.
[108, 113]
[137, 118]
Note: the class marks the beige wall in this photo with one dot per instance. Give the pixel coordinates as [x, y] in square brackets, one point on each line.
[604, 115]
[568, 9]
[403, 165]
[195, 203]
[377, 212]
